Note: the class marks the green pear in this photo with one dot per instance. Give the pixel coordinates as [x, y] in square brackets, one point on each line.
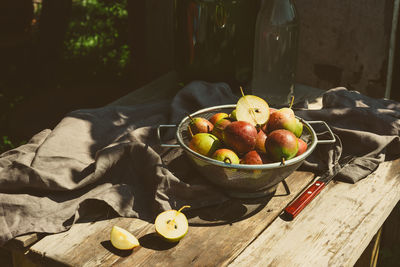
[298, 129]
[232, 115]
[205, 144]
[226, 155]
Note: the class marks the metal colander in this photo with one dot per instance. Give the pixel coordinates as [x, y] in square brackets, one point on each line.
[242, 180]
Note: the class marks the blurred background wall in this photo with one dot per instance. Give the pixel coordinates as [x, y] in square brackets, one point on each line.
[345, 43]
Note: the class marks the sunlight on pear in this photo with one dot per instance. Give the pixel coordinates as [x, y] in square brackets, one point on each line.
[122, 239]
[172, 225]
[252, 109]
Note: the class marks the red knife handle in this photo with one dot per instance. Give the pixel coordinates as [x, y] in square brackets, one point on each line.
[301, 202]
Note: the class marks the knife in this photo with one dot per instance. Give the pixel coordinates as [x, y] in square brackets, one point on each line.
[312, 191]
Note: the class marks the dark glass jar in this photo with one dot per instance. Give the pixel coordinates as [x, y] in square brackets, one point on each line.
[275, 52]
[214, 40]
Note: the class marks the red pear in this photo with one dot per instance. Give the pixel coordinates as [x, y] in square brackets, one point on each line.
[219, 128]
[200, 125]
[260, 141]
[282, 119]
[302, 147]
[240, 136]
[253, 157]
[281, 144]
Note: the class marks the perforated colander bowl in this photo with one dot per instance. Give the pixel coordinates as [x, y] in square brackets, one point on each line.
[242, 180]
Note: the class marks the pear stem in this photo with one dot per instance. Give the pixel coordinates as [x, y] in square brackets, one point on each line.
[291, 101]
[190, 117]
[190, 131]
[184, 207]
[176, 214]
[241, 90]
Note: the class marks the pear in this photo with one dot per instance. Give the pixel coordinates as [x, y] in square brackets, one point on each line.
[218, 116]
[281, 145]
[282, 119]
[302, 147]
[122, 239]
[232, 115]
[205, 144]
[285, 118]
[298, 129]
[172, 225]
[199, 125]
[260, 141]
[226, 155]
[253, 158]
[252, 109]
[219, 128]
[240, 136]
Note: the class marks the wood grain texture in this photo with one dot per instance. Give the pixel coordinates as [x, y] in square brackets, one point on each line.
[87, 244]
[334, 229]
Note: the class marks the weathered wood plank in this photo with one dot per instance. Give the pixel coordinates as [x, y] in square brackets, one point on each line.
[87, 244]
[334, 229]
[23, 241]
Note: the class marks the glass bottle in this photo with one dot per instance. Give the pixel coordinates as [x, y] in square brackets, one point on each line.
[214, 40]
[275, 52]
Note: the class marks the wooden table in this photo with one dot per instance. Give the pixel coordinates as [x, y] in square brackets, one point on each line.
[333, 230]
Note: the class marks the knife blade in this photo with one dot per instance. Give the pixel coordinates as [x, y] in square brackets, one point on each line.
[315, 188]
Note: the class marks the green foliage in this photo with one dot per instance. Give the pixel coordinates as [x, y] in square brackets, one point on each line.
[7, 104]
[7, 144]
[96, 45]
[95, 51]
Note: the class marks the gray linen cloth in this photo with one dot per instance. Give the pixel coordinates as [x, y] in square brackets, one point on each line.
[111, 156]
[366, 128]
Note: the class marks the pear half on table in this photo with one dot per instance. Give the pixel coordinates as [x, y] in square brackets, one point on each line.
[172, 225]
[122, 239]
[252, 109]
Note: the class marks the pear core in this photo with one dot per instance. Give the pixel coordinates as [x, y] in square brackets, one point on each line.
[252, 109]
[172, 225]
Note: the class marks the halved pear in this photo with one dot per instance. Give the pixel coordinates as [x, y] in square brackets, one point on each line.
[252, 109]
[172, 225]
[122, 239]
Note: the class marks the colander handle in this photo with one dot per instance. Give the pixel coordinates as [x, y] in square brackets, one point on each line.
[159, 135]
[327, 141]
